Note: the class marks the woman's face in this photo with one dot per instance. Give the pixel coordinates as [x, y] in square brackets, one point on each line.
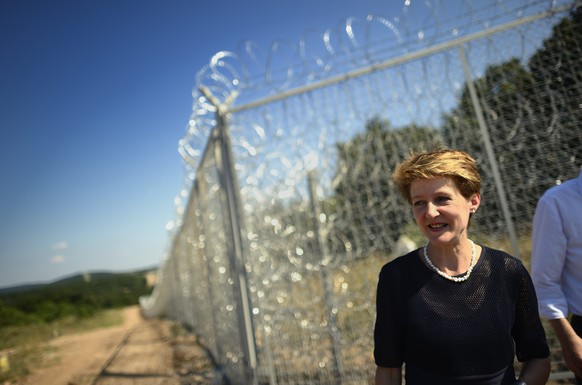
[441, 212]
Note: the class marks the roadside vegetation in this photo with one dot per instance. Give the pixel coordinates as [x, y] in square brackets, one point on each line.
[30, 316]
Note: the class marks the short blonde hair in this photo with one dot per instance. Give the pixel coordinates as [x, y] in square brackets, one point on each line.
[442, 163]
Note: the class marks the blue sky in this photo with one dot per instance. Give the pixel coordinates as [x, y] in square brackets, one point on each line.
[94, 97]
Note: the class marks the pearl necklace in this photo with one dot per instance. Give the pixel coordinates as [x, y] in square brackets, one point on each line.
[445, 275]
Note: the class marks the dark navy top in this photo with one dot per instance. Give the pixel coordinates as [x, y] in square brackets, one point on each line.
[449, 332]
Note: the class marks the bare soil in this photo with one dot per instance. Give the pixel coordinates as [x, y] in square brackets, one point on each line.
[140, 351]
[78, 358]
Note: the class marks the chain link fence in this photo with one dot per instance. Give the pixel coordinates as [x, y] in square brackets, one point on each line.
[288, 211]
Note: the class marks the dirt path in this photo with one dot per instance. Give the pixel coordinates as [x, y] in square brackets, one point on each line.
[80, 357]
[140, 351]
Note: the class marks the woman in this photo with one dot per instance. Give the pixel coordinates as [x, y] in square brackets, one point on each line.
[454, 312]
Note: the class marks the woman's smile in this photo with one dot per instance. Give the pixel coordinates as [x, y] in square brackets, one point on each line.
[440, 210]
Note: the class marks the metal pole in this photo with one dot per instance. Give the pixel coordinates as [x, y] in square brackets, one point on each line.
[269, 354]
[325, 255]
[229, 182]
[205, 267]
[490, 152]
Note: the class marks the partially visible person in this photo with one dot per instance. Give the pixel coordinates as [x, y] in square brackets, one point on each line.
[556, 265]
[454, 312]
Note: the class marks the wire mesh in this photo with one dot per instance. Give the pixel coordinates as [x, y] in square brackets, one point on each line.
[314, 131]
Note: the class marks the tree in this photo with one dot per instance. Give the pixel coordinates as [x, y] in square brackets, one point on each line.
[504, 94]
[369, 210]
[557, 71]
[10, 316]
[72, 297]
[533, 120]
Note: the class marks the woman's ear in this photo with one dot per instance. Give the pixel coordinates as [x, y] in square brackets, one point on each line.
[475, 202]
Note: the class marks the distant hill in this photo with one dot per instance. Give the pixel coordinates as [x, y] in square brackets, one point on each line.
[17, 289]
[79, 295]
[78, 277]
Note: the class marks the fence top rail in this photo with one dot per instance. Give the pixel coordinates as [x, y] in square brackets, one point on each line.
[395, 61]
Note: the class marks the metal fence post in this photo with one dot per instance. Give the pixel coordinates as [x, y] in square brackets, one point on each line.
[327, 287]
[230, 184]
[490, 152]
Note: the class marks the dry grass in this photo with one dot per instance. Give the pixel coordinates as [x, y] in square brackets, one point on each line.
[26, 346]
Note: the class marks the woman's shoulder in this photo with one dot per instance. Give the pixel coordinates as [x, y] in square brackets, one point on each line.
[400, 262]
[502, 259]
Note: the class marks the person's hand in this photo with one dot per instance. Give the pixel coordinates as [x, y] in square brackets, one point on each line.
[571, 344]
[572, 351]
